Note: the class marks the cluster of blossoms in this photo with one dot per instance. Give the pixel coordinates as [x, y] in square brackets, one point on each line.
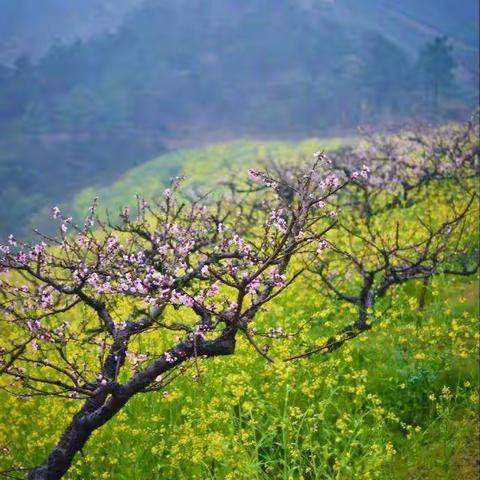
[322, 245]
[278, 279]
[275, 332]
[201, 330]
[331, 182]
[260, 177]
[210, 261]
[277, 220]
[136, 359]
[242, 246]
[45, 296]
[170, 358]
[182, 299]
[361, 174]
[65, 221]
[254, 284]
[410, 159]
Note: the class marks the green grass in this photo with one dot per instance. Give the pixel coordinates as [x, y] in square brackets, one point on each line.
[400, 402]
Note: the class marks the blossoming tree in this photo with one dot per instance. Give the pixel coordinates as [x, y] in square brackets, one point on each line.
[75, 305]
[414, 216]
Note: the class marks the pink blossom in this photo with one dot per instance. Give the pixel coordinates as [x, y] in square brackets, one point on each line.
[214, 289]
[39, 248]
[169, 357]
[322, 245]
[182, 299]
[279, 280]
[255, 175]
[278, 221]
[331, 182]
[55, 212]
[253, 285]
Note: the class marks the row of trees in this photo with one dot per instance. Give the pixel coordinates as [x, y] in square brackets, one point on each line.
[389, 86]
[195, 273]
[382, 81]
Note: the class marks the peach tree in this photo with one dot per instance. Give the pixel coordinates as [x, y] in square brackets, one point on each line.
[74, 305]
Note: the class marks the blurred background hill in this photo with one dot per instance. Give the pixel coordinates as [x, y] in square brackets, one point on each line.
[92, 89]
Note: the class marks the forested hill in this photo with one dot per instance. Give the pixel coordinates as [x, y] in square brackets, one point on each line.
[172, 72]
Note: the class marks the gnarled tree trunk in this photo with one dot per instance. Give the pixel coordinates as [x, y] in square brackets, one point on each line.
[110, 399]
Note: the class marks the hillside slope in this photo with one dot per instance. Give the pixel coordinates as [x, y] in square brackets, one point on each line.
[28, 27]
[412, 23]
[202, 168]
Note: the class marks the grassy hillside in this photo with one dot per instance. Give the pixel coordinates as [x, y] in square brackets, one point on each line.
[202, 166]
[399, 403]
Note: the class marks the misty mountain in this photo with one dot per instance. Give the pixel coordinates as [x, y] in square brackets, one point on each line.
[31, 27]
[412, 23]
[174, 72]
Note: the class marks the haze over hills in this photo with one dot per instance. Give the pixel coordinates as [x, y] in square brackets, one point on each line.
[31, 27]
[412, 23]
[128, 80]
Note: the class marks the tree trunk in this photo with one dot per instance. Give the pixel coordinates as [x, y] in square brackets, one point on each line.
[423, 294]
[109, 400]
[78, 432]
[61, 457]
